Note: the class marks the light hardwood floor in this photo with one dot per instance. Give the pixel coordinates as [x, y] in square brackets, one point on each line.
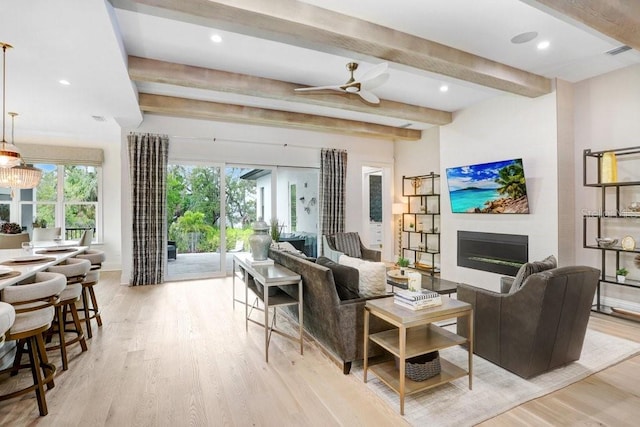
[177, 354]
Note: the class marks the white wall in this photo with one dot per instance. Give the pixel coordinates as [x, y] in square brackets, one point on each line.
[607, 116]
[257, 145]
[503, 128]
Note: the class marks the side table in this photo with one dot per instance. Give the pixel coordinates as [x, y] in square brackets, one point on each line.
[416, 334]
[270, 276]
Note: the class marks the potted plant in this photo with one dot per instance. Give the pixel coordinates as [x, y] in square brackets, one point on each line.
[621, 274]
[403, 263]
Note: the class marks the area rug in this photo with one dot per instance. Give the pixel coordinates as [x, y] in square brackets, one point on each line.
[496, 390]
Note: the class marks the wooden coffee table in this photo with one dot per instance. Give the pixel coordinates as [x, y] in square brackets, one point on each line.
[416, 334]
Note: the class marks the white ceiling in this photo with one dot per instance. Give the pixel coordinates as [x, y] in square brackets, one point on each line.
[80, 41]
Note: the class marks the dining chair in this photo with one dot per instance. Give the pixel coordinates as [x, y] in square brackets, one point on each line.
[33, 303]
[13, 241]
[86, 238]
[45, 234]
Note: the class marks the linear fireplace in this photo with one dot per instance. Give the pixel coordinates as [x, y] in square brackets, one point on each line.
[494, 252]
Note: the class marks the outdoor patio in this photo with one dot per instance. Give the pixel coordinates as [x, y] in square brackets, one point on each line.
[205, 263]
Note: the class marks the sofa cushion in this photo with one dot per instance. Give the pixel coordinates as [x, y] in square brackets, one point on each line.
[348, 244]
[373, 275]
[530, 268]
[345, 278]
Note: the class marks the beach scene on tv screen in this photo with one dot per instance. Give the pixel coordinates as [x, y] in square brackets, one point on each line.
[497, 187]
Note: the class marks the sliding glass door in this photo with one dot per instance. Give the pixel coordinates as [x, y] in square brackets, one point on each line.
[194, 220]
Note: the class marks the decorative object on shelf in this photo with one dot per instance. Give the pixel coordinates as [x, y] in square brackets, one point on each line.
[260, 240]
[636, 261]
[403, 263]
[621, 274]
[609, 168]
[417, 184]
[275, 229]
[10, 228]
[14, 173]
[628, 243]
[421, 368]
[606, 242]
[634, 206]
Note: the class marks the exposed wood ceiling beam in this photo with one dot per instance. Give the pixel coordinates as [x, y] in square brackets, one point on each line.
[150, 70]
[191, 108]
[308, 26]
[618, 19]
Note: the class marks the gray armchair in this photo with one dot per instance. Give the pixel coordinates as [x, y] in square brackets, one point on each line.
[537, 328]
[334, 245]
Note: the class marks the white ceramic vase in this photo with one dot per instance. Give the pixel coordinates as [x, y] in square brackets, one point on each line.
[620, 278]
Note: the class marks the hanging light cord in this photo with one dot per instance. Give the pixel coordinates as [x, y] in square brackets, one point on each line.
[4, 85]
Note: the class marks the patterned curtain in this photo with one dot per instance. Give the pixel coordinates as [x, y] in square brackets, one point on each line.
[148, 157]
[333, 173]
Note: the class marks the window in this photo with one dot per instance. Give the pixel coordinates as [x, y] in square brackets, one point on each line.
[67, 197]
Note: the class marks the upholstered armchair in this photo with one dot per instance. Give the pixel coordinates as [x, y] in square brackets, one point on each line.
[537, 327]
[334, 245]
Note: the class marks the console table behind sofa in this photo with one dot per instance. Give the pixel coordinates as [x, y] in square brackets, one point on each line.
[338, 326]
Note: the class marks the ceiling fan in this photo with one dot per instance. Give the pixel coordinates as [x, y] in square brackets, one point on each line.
[371, 79]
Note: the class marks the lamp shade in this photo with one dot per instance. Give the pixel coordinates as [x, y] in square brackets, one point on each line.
[397, 208]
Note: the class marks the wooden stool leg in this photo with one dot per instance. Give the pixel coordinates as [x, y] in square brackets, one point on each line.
[94, 303]
[78, 326]
[85, 307]
[37, 377]
[47, 368]
[16, 361]
[63, 344]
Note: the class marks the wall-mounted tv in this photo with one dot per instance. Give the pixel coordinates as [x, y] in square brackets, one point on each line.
[496, 187]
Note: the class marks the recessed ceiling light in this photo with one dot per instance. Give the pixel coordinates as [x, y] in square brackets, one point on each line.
[216, 38]
[524, 37]
[543, 45]
[64, 82]
[444, 88]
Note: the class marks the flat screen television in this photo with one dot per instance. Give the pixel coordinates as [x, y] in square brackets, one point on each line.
[496, 187]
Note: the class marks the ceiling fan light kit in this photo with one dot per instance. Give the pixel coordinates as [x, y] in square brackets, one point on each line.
[370, 80]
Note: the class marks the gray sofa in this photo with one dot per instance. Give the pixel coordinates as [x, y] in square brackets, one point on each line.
[539, 327]
[337, 325]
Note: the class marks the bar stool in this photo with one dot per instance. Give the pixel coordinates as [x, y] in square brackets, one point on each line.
[7, 317]
[75, 270]
[96, 258]
[34, 306]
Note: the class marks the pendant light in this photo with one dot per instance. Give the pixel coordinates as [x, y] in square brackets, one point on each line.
[21, 176]
[9, 153]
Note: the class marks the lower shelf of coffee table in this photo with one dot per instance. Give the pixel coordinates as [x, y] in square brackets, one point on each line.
[390, 375]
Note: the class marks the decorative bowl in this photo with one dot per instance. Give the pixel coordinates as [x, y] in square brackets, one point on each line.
[606, 242]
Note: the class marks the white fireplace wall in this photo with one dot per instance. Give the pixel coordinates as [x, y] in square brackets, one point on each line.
[502, 128]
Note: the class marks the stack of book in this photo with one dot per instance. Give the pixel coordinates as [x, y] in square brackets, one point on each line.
[417, 300]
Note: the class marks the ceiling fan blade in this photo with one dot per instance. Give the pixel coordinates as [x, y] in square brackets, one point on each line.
[374, 72]
[369, 96]
[306, 89]
[374, 82]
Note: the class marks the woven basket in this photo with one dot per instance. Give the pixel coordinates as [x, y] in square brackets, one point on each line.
[421, 368]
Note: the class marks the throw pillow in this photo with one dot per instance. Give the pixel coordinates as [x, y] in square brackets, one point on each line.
[345, 278]
[349, 244]
[530, 268]
[373, 275]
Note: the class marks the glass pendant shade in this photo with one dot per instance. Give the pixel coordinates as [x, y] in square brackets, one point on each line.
[20, 177]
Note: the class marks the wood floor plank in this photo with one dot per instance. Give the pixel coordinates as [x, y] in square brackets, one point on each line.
[178, 354]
